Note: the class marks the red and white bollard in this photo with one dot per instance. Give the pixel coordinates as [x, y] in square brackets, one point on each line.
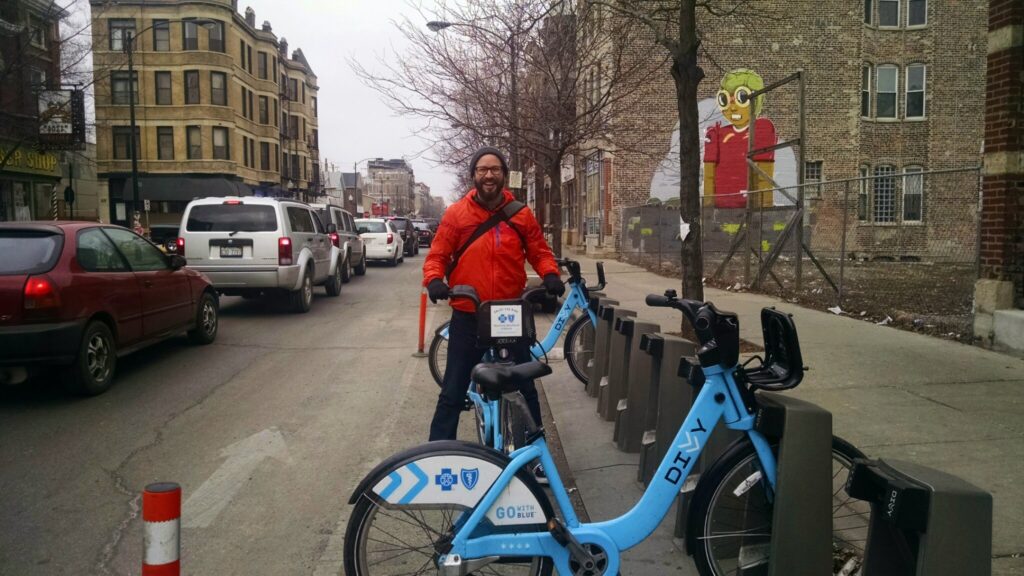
[161, 514]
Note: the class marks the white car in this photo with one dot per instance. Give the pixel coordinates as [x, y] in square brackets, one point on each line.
[383, 242]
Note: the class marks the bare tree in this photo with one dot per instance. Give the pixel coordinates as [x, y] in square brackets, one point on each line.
[530, 76]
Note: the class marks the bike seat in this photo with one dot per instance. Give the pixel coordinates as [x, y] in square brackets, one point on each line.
[497, 379]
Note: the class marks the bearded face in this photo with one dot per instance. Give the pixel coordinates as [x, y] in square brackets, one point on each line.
[489, 178]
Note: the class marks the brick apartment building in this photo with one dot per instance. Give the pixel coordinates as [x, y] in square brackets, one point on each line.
[892, 86]
[221, 106]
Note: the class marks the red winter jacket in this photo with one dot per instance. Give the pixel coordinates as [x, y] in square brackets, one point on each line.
[494, 264]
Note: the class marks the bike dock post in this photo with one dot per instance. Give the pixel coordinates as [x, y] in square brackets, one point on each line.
[923, 522]
[802, 513]
[632, 408]
[618, 362]
[602, 335]
[671, 399]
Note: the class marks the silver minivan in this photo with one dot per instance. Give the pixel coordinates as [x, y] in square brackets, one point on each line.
[249, 246]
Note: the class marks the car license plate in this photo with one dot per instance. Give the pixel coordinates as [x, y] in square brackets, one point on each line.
[230, 251]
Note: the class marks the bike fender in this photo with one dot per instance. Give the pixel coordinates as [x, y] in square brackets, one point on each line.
[454, 472]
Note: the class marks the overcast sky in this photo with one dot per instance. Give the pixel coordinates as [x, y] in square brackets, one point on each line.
[354, 123]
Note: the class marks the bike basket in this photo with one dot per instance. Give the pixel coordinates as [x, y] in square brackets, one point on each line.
[505, 322]
[783, 366]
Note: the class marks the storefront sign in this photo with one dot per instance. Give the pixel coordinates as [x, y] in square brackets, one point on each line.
[29, 161]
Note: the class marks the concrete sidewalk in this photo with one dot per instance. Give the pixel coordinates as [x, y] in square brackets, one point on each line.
[893, 394]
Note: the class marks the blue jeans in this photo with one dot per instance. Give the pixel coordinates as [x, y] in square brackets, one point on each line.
[463, 354]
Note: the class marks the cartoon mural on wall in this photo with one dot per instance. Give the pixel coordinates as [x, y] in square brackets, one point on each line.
[725, 146]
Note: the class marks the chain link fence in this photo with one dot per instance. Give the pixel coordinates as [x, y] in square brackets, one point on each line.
[892, 247]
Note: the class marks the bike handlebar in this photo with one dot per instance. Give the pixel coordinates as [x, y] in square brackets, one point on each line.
[701, 316]
[575, 274]
[467, 292]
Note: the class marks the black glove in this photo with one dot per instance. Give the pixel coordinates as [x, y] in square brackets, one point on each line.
[554, 285]
[437, 290]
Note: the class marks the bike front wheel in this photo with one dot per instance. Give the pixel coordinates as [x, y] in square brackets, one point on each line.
[579, 347]
[731, 517]
[437, 358]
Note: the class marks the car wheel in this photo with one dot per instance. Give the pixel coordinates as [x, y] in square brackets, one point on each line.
[346, 272]
[333, 284]
[361, 268]
[394, 261]
[207, 321]
[93, 370]
[302, 299]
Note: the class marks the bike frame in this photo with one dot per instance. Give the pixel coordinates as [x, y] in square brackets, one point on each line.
[719, 399]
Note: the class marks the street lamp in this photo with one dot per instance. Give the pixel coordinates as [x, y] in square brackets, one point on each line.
[129, 49]
[438, 25]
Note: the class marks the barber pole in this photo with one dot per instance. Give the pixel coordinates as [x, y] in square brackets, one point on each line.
[161, 514]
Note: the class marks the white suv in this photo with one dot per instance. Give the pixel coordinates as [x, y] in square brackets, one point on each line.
[249, 245]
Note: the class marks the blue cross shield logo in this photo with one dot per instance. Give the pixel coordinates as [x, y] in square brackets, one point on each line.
[470, 477]
[502, 318]
[446, 479]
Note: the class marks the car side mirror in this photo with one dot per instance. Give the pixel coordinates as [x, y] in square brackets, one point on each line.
[332, 228]
[177, 261]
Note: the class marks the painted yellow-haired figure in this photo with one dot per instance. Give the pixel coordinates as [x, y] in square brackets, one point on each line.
[725, 147]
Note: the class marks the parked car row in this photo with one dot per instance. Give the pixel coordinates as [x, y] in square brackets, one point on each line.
[75, 296]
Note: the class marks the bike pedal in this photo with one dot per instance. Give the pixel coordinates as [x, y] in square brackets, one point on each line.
[565, 539]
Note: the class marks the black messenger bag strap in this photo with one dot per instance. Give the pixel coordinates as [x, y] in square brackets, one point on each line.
[506, 213]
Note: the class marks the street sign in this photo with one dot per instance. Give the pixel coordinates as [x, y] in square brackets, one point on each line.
[515, 179]
[145, 205]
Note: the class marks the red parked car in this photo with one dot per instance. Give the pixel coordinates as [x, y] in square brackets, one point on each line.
[78, 294]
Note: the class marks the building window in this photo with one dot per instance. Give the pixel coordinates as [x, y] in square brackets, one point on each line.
[252, 110]
[216, 36]
[245, 103]
[221, 150]
[161, 36]
[293, 127]
[812, 175]
[293, 89]
[37, 78]
[122, 145]
[273, 70]
[164, 143]
[284, 163]
[245, 151]
[277, 158]
[265, 156]
[261, 64]
[191, 87]
[264, 110]
[275, 111]
[917, 12]
[163, 88]
[218, 89]
[252, 153]
[241, 53]
[295, 166]
[867, 11]
[194, 137]
[315, 142]
[303, 92]
[913, 193]
[889, 13]
[316, 106]
[120, 32]
[189, 36]
[121, 88]
[248, 59]
[862, 195]
[886, 84]
[37, 32]
[916, 77]
[865, 91]
[884, 197]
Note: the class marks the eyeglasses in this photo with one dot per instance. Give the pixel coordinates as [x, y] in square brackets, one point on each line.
[483, 170]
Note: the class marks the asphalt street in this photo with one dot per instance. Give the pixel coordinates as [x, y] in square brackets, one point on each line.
[267, 430]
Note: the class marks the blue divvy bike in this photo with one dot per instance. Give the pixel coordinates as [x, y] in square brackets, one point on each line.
[456, 508]
[579, 340]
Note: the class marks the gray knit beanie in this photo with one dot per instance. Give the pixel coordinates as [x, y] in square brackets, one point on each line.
[484, 152]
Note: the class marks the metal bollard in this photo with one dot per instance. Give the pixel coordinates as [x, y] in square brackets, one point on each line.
[632, 409]
[161, 516]
[602, 335]
[923, 522]
[618, 362]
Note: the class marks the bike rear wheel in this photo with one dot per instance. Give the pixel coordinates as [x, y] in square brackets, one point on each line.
[732, 514]
[437, 358]
[579, 347]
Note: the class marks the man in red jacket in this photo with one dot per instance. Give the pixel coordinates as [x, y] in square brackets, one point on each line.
[493, 264]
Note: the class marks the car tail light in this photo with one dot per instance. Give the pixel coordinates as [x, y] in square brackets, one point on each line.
[180, 243]
[335, 239]
[233, 202]
[391, 237]
[40, 293]
[284, 251]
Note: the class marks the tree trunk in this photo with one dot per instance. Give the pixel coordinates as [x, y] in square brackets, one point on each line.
[555, 197]
[687, 75]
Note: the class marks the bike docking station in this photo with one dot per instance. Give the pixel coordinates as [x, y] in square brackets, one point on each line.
[631, 411]
[923, 522]
[602, 336]
[614, 387]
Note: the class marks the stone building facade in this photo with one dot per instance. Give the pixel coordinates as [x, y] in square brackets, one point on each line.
[856, 126]
[390, 186]
[221, 107]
